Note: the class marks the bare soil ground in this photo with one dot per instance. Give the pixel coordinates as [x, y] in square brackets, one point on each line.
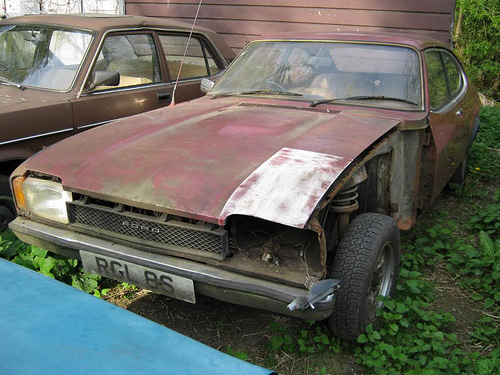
[220, 325]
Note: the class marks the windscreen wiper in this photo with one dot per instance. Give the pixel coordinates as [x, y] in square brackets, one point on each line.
[10, 83]
[250, 92]
[362, 97]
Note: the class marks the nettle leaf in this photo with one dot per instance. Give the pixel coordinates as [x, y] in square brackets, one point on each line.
[403, 272]
[414, 286]
[274, 343]
[438, 336]
[489, 303]
[402, 308]
[288, 340]
[404, 323]
[394, 327]
[363, 339]
[277, 327]
[476, 296]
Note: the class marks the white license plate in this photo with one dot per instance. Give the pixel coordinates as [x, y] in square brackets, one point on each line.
[144, 277]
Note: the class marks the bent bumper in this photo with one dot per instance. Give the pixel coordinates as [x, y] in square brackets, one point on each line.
[208, 279]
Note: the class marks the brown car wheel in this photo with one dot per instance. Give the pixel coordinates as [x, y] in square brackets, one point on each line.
[367, 264]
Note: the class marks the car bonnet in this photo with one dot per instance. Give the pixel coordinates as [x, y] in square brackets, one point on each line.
[215, 159]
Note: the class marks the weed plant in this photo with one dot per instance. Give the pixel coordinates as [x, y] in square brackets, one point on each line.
[477, 28]
[48, 264]
[416, 337]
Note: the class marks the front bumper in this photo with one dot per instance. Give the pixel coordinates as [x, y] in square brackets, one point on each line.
[208, 279]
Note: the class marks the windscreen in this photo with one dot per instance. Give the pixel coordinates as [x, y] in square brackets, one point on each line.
[313, 70]
[41, 56]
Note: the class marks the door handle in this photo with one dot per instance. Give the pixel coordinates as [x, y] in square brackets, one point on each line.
[460, 112]
[164, 97]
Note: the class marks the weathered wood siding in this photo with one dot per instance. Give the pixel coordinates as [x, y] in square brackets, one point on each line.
[240, 21]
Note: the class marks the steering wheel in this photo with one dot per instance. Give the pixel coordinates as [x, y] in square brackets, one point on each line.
[321, 93]
[275, 84]
[12, 72]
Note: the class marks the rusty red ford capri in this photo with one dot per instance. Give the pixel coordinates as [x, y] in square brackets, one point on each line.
[284, 188]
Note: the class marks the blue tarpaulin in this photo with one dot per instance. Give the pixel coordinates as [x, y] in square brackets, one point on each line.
[47, 327]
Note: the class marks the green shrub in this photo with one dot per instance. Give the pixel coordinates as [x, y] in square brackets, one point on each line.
[484, 156]
[477, 42]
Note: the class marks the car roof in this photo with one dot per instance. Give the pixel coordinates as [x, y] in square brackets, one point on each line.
[101, 22]
[105, 22]
[418, 42]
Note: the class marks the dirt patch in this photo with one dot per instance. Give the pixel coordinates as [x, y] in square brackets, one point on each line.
[219, 325]
[451, 299]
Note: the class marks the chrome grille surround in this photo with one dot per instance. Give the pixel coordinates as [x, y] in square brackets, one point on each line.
[159, 234]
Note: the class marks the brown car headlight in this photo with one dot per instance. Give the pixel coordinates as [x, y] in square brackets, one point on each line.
[43, 198]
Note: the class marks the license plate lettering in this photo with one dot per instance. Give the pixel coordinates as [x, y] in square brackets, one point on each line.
[112, 269]
[161, 281]
[145, 277]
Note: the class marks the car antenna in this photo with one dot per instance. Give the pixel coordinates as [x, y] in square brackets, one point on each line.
[172, 103]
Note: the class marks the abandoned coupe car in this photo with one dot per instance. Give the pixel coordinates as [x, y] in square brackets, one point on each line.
[61, 74]
[282, 189]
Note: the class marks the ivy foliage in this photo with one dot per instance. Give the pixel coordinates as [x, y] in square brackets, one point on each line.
[477, 42]
[48, 264]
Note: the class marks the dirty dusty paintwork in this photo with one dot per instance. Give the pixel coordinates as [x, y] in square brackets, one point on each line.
[191, 162]
[38, 117]
[286, 188]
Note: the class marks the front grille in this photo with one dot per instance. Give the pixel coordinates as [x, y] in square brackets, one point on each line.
[171, 235]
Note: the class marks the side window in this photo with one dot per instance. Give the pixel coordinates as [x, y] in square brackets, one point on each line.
[199, 61]
[438, 89]
[125, 61]
[454, 74]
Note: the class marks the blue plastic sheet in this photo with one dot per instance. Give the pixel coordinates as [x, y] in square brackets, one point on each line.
[47, 327]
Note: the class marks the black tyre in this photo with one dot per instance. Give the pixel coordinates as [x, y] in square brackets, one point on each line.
[7, 210]
[367, 263]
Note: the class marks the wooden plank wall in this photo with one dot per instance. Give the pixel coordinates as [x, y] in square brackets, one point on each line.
[240, 21]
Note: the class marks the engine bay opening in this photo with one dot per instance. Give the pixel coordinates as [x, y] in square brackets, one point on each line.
[274, 251]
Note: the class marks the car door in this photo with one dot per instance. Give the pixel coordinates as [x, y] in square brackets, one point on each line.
[188, 62]
[136, 71]
[126, 79]
[450, 114]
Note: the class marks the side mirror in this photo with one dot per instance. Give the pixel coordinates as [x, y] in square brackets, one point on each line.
[105, 78]
[206, 85]
[209, 82]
